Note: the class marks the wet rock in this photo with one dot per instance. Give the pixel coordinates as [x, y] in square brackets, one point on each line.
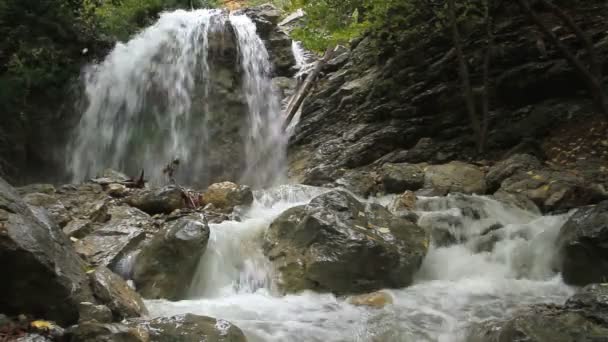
[375, 300]
[106, 245]
[515, 200]
[158, 201]
[42, 274]
[99, 332]
[55, 208]
[227, 195]
[91, 312]
[48, 189]
[583, 246]
[404, 202]
[79, 228]
[33, 338]
[337, 244]
[540, 323]
[182, 243]
[398, 178]
[118, 190]
[360, 183]
[189, 328]
[592, 300]
[508, 167]
[114, 292]
[455, 177]
[114, 176]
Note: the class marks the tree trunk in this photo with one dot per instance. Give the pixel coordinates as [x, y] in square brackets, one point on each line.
[593, 83]
[486, 76]
[464, 74]
[302, 93]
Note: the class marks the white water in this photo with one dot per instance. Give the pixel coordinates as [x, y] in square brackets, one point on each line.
[455, 286]
[149, 102]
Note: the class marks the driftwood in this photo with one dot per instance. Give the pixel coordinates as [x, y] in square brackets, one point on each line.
[302, 93]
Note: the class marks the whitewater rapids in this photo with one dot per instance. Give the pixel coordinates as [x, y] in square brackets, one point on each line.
[455, 287]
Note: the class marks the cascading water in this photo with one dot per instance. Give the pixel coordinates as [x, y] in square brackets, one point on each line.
[178, 91]
[484, 274]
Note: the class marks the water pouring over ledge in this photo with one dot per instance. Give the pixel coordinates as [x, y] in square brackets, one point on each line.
[194, 86]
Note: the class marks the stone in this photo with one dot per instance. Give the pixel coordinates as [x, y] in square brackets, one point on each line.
[55, 208]
[583, 246]
[38, 260]
[336, 244]
[227, 195]
[360, 183]
[540, 323]
[47, 189]
[106, 245]
[404, 202]
[398, 178]
[375, 300]
[91, 312]
[455, 177]
[508, 167]
[188, 328]
[158, 201]
[118, 190]
[181, 242]
[78, 228]
[593, 301]
[100, 332]
[113, 291]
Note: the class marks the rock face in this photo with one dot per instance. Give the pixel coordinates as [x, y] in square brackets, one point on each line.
[455, 177]
[583, 318]
[359, 182]
[114, 292]
[184, 328]
[158, 201]
[42, 275]
[509, 167]
[164, 267]
[336, 244]
[227, 195]
[583, 246]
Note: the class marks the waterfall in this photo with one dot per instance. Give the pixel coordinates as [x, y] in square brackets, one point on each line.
[195, 86]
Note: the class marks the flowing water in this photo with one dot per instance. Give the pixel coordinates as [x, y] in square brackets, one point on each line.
[162, 95]
[168, 94]
[456, 286]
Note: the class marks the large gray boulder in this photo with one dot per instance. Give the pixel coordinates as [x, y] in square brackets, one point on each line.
[183, 328]
[583, 246]
[164, 267]
[398, 178]
[42, 274]
[111, 290]
[227, 195]
[337, 244]
[455, 177]
[508, 167]
[582, 318]
[158, 201]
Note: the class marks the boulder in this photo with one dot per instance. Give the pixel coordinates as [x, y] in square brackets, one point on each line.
[100, 332]
[455, 177]
[158, 201]
[91, 312]
[360, 183]
[188, 328]
[183, 328]
[117, 190]
[181, 242]
[124, 233]
[554, 190]
[376, 300]
[508, 167]
[114, 292]
[398, 178]
[582, 318]
[337, 244]
[78, 228]
[227, 195]
[42, 274]
[404, 202]
[48, 189]
[583, 246]
[55, 208]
